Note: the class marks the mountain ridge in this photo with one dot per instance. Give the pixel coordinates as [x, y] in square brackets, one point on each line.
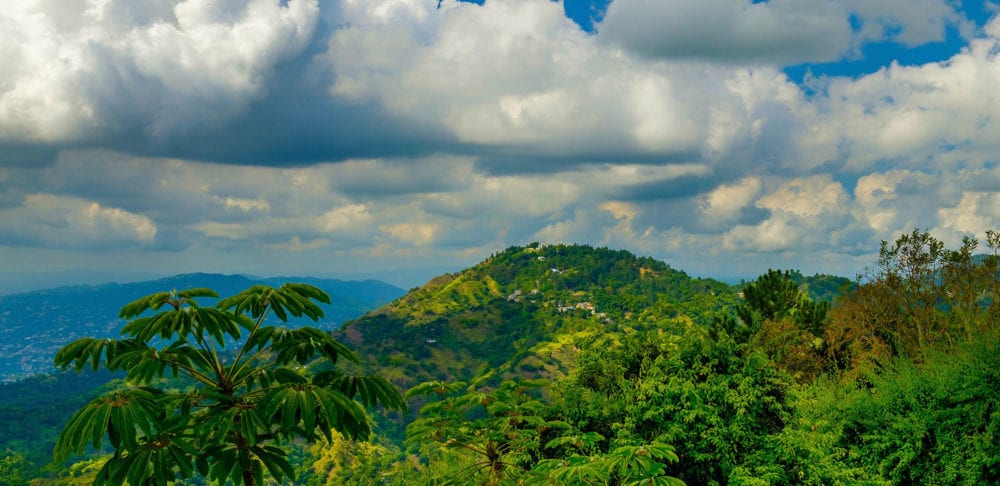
[33, 325]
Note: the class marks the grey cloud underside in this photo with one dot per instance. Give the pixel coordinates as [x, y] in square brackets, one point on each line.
[283, 131]
[287, 116]
[402, 133]
[27, 154]
[783, 32]
[778, 32]
[683, 187]
[133, 95]
[297, 123]
[301, 132]
[983, 182]
[508, 161]
[685, 214]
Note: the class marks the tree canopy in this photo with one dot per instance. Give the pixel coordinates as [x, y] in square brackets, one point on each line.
[215, 391]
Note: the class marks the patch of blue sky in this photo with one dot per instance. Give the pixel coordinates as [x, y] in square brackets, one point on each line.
[869, 59]
[586, 12]
[877, 55]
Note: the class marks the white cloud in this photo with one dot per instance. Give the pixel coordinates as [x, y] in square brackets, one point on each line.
[774, 234]
[582, 225]
[723, 204]
[55, 221]
[808, 198]
[473, 127]
[243, 204]
[348, 217]
[518, 74]
[968, 217]
[881, 204]
[75, 70]
[621, 211]
[417, 234]
[803, 213]
[916, 116]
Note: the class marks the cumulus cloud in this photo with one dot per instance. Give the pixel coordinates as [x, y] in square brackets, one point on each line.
[351, 216]
[75, 71]
[807, 198]
[418, 234]
[974, 213]
[383, 132]
[723, 204]
[55, 221]
[518, 79]
[801, 214]
[933, 114]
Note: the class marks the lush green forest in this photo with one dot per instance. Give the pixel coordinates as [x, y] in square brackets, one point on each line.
[566, 364]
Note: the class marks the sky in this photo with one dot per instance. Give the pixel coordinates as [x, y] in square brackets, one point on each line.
[405, 138]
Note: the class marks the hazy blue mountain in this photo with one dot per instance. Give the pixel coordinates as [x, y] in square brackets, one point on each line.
[34, 325]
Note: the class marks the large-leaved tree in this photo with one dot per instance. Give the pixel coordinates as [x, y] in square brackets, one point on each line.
[217, 390]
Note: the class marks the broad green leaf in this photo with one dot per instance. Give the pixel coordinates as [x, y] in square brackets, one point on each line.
[286, 376]
[197, 292]
[289, 299]
[91, 350]
[142, 304]
[274, 460]
[222, 426]
[439, 388]
[369, 390]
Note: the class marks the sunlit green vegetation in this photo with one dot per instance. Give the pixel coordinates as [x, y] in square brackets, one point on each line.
[233, 410]
[575, 365]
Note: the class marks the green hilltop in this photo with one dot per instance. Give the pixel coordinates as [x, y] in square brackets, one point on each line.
[523, 310]
[568, 364]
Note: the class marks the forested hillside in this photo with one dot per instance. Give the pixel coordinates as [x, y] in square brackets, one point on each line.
[566, 364]
[524, 310]
[890, 379]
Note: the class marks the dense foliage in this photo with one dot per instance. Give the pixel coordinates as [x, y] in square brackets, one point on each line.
[236, 410]
[524, 308]
[33, 411]
[566, 364]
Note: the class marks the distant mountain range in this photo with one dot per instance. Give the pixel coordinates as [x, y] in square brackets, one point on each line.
[34, 325]
[508, 305]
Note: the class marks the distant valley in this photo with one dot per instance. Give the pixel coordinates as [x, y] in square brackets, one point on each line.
[34, 325]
